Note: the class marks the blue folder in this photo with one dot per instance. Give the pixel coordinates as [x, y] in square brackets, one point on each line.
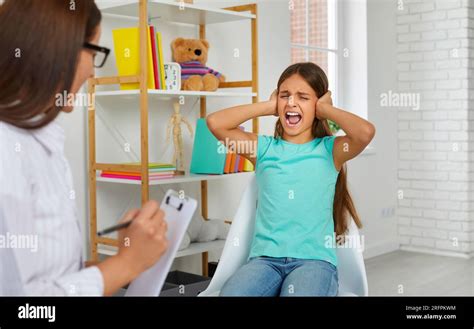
[208, 153]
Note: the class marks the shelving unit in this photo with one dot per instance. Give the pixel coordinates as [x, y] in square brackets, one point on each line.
[161, 93]
[174, 180]
[169, 11]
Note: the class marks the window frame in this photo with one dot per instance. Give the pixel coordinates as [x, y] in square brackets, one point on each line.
[333, 49]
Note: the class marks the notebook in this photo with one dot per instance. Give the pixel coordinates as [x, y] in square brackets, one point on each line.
[127, 56]
[178, 213]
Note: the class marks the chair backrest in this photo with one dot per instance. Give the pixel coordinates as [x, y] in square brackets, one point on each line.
[239, 240]
[351, 268]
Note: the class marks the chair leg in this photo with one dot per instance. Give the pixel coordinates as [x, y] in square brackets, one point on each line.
[205, 264]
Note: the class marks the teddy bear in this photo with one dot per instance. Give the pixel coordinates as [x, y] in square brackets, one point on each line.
[191, 54]
[200, 230]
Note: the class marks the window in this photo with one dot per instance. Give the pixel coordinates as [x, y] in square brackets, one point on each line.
[313, 35]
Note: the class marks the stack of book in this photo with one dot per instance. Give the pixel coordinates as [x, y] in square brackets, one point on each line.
[127, 56]
[235, 163]
[156, 171]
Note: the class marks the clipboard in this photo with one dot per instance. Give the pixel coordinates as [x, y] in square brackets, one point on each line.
[178, 214]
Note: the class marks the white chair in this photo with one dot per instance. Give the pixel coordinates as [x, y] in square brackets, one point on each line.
[351, 268]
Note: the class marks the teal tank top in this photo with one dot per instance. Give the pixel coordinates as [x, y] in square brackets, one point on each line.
[296, 184]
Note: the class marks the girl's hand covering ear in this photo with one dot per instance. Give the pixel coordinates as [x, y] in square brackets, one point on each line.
[273, 109]
[322, 105]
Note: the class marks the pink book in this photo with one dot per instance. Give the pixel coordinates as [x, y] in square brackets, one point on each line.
[135, 177]
[154, 54]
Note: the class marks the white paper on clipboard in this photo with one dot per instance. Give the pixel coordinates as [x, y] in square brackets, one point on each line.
[178, 214]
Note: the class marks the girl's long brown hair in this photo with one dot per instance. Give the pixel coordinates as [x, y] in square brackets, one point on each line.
[343, 205]
[40, 43]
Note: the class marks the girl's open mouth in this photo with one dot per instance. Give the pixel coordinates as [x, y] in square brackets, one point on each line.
[293, 118]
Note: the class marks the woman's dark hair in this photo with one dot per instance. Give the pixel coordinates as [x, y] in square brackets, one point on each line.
[343, 204]
[40, 44]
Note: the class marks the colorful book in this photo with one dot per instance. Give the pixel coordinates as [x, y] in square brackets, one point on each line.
[154, 57]
[137, 174]
[236, 165]
[160, 61]
[154, 165]
[227, 163]
[136, 177]
[241, 164]
[156, 170]
[233, 157]
[127, 56]
[150, 173]
[248, 165]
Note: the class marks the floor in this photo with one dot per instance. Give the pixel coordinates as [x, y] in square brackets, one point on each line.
[403, 273]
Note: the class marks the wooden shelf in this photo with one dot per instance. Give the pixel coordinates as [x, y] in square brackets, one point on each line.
[169, 93]
[193, 249]
[175, 180]
[157, 11]
[169, 11]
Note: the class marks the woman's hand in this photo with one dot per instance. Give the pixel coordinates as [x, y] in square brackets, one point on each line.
[140, 246]
[322, 105]
[143, 243]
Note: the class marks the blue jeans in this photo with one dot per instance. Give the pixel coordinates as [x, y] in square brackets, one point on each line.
[268, 276]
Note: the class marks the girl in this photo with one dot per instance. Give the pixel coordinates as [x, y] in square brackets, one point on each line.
[303, 201]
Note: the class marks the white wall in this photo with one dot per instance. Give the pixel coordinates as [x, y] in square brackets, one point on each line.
[435, 63]
[352, 44]
[372, 176]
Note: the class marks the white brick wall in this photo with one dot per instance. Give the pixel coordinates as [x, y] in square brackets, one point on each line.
[436, 186]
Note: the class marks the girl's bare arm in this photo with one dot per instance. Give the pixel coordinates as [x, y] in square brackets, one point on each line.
[359, 132]
[224, 125]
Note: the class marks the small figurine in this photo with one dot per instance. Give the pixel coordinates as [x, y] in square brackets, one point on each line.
[175, 122]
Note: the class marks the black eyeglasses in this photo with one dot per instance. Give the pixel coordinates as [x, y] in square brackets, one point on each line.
[101, 54]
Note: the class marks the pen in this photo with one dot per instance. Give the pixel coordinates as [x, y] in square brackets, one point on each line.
[115, 228]
[127, 223]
